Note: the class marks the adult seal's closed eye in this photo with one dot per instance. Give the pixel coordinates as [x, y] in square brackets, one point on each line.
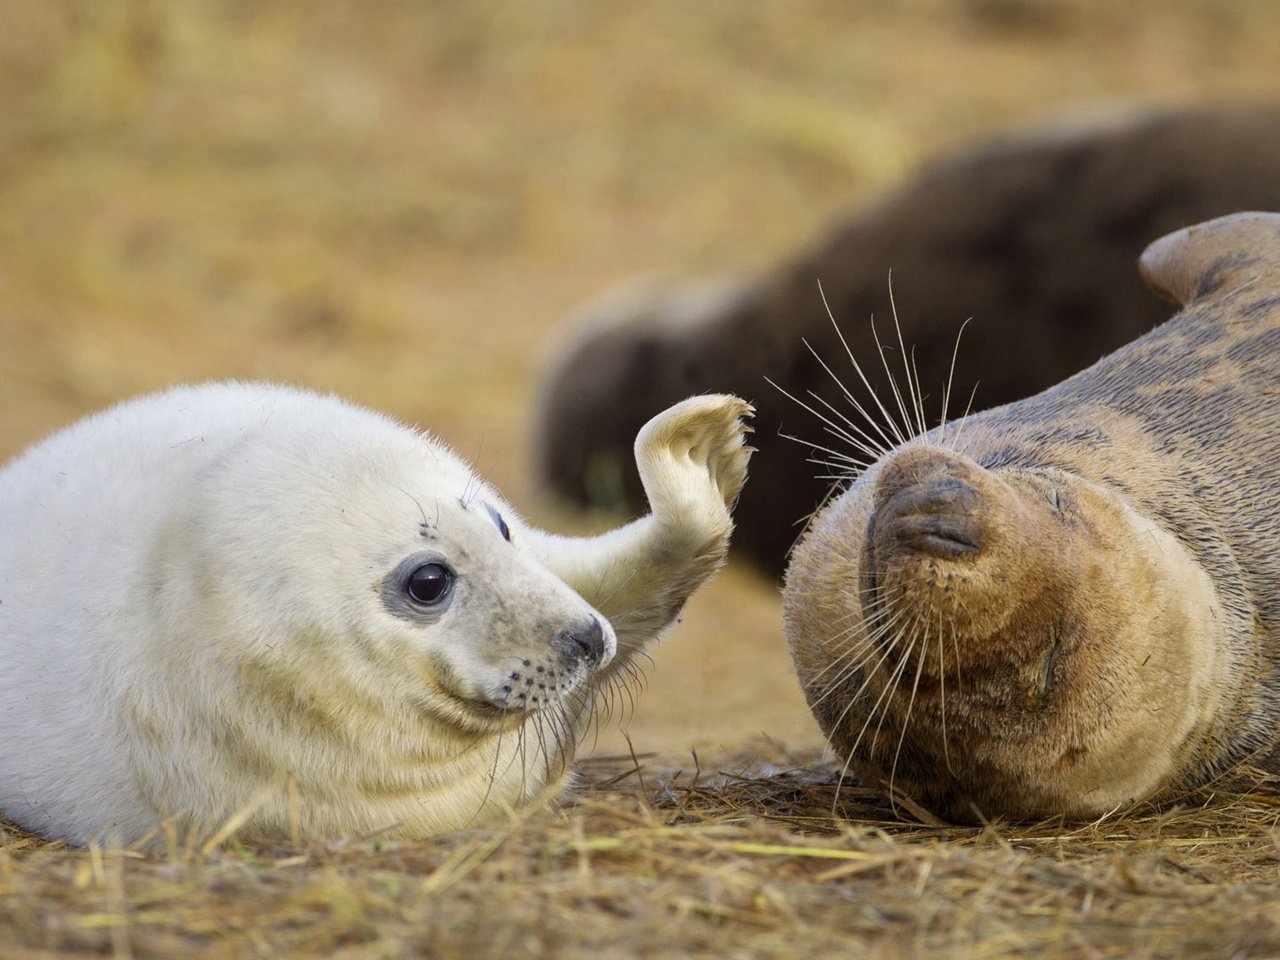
[1072, 602]
[239, 599]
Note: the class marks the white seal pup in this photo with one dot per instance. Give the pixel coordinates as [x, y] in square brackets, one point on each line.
[250, 601]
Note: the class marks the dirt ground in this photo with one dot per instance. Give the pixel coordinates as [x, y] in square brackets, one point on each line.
[400, 201]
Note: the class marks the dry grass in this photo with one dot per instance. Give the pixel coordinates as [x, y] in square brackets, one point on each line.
[648, 860]
[398, 200]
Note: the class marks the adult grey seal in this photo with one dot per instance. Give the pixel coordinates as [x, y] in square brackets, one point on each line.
[1072, 602]
[248, 604]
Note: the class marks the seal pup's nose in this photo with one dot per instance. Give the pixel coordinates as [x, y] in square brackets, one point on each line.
[584, 642]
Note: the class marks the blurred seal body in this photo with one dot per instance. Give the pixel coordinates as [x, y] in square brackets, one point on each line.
[1032, 233]
[1071, 602]
[246, 599]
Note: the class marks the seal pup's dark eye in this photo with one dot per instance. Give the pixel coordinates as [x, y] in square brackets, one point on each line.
[429, 584]
[502, 524]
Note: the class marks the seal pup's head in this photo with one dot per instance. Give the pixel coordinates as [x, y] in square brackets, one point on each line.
[370, 622]
[393, 543]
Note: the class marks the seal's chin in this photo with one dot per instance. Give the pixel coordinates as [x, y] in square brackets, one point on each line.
[483, 709]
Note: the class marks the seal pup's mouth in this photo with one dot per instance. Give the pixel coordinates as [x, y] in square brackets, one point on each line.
[540, 681]
[522, 684]
[547, 678]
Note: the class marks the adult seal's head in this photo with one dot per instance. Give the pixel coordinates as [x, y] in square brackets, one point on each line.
[251, 604]
[1071, 602]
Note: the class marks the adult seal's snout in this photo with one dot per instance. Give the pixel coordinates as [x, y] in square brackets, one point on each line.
[928, 506]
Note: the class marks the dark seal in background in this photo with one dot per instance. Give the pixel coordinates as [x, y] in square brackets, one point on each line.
[1031, 234]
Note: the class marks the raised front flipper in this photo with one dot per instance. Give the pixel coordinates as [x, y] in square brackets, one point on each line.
[692, 459]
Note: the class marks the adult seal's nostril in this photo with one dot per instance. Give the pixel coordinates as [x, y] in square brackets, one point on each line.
[583, 642]
[937, 517]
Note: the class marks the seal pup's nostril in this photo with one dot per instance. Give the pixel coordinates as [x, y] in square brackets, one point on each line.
[583, 642]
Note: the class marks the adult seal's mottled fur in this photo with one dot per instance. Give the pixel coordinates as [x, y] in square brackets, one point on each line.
[1072, 602]
[245, 604]
[1032, 234]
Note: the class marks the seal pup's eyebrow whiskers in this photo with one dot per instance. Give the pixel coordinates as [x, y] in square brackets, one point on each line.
[470, 490]
[417, 503]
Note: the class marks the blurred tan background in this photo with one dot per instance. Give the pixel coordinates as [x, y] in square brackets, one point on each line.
[398, 201]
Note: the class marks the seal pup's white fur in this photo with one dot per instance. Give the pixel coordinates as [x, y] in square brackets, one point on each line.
[222, 599]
